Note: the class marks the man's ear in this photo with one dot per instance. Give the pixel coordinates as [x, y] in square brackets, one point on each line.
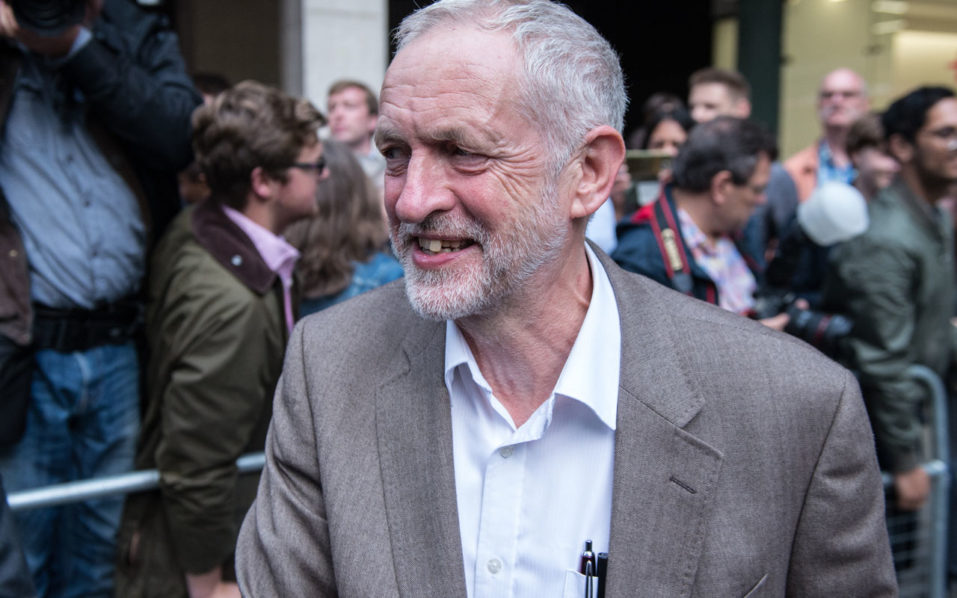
[742, 108]
[600, 158]
[720, 186]
[261, 184]
[901, 149]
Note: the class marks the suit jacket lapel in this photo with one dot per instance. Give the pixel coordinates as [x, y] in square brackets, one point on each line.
[665, 478]
[414, 431]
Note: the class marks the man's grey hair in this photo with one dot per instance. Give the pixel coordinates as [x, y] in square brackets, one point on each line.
[572, 80]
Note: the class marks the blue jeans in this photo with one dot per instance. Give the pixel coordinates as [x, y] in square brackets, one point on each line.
[82, 423]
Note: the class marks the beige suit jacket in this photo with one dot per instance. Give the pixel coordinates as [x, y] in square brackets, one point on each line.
[744, 463]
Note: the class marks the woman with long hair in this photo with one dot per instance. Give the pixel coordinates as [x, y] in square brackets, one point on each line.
[345, 246]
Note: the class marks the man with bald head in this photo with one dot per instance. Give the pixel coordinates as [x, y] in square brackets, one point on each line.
[842, 99]
[467, 432]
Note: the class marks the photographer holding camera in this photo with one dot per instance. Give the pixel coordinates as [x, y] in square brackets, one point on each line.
[835, 212]
[690, 237]
[95, 103]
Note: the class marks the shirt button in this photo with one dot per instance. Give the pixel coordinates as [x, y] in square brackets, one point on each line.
[494, 566]
[237, 260]
[507, 451]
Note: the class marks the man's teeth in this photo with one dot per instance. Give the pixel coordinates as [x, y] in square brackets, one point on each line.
[440, 246]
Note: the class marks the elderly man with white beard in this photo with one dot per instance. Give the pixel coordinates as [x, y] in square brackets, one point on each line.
[519, 406]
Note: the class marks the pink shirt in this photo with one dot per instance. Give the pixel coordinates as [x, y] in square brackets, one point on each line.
[279, 256]
[724, 264]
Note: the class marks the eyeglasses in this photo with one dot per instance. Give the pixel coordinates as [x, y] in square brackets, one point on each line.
[317, 167]
[845, 94]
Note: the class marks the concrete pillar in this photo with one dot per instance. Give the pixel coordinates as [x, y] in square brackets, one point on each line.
[337, 39]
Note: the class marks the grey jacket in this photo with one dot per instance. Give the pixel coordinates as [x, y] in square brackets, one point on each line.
[896, 282]
[744, 463]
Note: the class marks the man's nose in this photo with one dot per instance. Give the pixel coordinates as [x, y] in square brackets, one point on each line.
[426, 189]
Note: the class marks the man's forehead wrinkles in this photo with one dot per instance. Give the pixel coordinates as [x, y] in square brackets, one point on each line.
[434, 133]
[429, 122]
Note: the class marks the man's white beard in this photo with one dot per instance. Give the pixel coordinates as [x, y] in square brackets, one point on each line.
[510, 258]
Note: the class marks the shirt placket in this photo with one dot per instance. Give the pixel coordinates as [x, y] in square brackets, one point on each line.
[498, 522]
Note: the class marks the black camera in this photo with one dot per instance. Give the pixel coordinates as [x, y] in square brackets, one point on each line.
[48, 17]
[820, 329]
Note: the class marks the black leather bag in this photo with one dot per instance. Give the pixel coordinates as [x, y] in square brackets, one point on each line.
[16, 373]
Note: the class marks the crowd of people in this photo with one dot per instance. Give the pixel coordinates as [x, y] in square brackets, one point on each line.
[509, 389]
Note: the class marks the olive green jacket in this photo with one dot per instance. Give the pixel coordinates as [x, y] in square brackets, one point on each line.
[217, 334]
[896, 281]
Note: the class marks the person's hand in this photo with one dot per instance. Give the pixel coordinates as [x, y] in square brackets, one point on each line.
[211, 585]
[52, 46]
[777, 322]
[780, 321]
[912, 488]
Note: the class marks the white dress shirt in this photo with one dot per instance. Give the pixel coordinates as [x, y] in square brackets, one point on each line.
[528, 498]
[601, 227]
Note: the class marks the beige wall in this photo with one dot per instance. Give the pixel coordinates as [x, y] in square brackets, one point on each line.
[819, 36]
[922, 57]
[895, 44]
[343, 39]
[301, 46]
[724, 44]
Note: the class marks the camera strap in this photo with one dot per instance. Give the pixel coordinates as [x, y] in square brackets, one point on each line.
[672, 249]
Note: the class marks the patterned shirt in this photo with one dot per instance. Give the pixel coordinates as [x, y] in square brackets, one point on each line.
[724, 264]
[828, 171]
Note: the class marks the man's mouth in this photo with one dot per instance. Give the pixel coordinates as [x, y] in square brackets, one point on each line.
[434, 246]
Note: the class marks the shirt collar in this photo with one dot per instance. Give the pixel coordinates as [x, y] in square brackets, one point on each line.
[591, 372]
[279, 255]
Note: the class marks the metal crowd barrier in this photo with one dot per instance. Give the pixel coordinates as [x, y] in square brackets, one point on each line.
[125, 483]
[919, 538]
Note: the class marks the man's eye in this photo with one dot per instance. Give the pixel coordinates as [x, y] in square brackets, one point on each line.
[392, 153]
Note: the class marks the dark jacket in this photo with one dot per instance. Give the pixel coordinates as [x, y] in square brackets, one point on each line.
[896, 282]
[140, 102]
[217, 333]
[641, 250]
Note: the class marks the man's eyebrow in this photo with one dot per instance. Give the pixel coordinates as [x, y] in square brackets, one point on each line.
[386, 133]
[453, 134]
